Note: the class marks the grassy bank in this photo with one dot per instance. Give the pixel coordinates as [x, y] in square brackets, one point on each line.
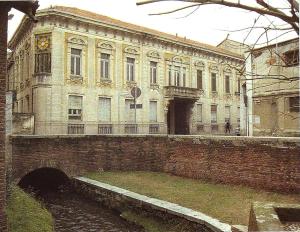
[229, 204]
[26, 214]
[154, 224]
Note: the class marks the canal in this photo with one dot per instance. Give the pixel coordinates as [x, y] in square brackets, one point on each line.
[72, 212]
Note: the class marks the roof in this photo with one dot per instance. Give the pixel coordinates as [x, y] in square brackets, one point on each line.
[278, 44]
[114, 22]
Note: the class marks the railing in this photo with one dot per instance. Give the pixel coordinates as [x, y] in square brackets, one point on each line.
[181, 92]
[131, 129]
[153, 128]
[75, 128]
[105, 129]
[94, 128]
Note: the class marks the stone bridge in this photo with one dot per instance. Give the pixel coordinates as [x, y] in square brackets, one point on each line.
[262, 163]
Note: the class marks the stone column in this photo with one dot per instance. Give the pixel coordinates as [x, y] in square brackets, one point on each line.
[3, 54]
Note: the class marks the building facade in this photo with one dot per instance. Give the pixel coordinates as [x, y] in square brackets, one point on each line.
[273, 90]
[75, 71]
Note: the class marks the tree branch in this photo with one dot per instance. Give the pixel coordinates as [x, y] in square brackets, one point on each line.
[266, 10]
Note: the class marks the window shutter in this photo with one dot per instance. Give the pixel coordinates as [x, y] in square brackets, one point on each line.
[153, 111]
[75, 102]
[105, 109]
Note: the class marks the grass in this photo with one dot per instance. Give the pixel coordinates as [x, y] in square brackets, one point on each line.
[230, 204]
[154, 224]
[24, 213]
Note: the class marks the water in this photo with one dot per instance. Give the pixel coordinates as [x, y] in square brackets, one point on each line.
[73, 212]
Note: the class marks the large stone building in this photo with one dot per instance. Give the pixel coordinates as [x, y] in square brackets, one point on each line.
[273, 89]
[74, 70]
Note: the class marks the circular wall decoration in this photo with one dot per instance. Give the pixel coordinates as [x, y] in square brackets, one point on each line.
[43, 43]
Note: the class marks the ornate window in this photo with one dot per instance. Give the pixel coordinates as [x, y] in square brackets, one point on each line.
[199, 74]
[153, 58]
[199, 80]
[178, 71]
[214, 72]
[104, 67]
[131, 65]
[213, 82]
[153, 72]
[76, 59]
[227, 80]
[177, 76]
[130, 69]
[105, 63]
[42, 58]
[227, 84]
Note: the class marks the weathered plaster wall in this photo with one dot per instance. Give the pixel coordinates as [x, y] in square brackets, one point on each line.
[262, 163]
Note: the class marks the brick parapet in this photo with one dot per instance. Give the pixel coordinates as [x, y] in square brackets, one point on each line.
[262, 163]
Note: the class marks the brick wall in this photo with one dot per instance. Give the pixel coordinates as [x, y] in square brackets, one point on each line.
[3, 42]
[263, 163]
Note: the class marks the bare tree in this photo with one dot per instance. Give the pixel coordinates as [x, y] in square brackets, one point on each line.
[289, 14]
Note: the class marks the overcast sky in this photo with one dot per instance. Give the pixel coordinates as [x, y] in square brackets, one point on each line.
[208, 24]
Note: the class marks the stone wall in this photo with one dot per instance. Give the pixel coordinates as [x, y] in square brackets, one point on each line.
[3, 51]
[262, 163]
[122, 200]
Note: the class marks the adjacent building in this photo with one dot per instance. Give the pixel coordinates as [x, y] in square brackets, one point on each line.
[273, 90]
[74, 71]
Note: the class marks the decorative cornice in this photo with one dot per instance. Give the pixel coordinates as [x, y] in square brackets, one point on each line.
[199, 64]
[153, 54]
[106, 45]
[214, 67]
[77, 40]
[132, 50]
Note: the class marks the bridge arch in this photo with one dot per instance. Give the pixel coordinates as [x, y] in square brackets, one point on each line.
[44, 179]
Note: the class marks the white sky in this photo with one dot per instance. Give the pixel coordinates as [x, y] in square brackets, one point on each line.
[206, 25]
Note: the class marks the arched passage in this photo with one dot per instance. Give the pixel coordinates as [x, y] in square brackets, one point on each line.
[43, 180]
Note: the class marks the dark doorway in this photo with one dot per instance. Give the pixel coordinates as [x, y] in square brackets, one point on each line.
[178, 117]
[181, 117]
[43, 180]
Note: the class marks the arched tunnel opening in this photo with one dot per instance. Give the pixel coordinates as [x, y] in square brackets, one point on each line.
[44, 180]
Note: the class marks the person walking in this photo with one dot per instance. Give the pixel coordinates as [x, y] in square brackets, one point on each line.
[227, 127]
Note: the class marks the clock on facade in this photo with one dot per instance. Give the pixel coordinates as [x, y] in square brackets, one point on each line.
[43, 43]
